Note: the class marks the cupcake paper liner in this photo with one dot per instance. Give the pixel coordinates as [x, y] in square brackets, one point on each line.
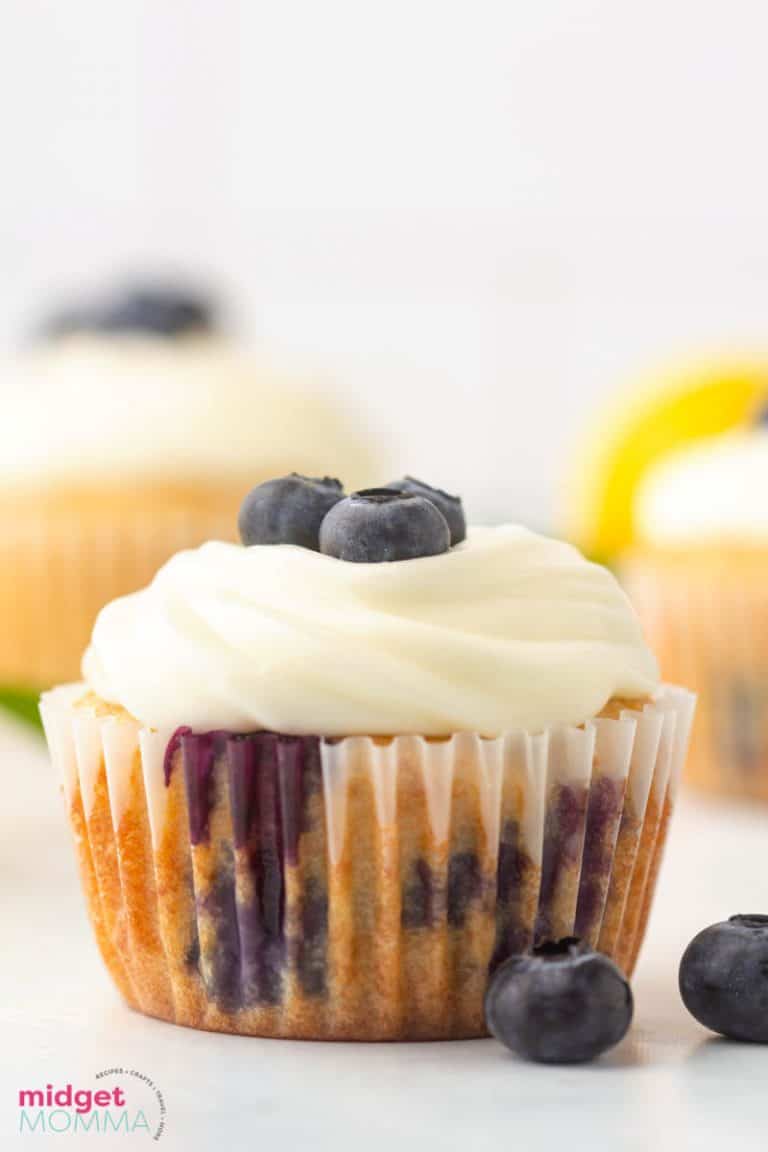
[707, 618]
[357, 888]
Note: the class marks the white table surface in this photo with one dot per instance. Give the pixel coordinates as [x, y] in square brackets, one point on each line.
[668, 1086]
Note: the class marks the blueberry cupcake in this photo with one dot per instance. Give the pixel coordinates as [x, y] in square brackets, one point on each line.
[323, 783]
[131, 431]
[668, 488]
[699, 573]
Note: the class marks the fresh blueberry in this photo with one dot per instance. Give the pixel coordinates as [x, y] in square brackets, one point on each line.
[289, 510]
[450, 506]
[562, 1004]
[724, 978]
[157, 311]
[380, 524]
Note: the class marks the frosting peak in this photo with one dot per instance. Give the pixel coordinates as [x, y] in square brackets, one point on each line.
[508, 630]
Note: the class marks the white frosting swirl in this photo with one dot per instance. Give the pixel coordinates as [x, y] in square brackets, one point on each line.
[710, 492]
[88, 409]
[508, 630]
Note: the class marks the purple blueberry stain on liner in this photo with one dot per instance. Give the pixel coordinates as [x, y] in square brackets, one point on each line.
[606, 800]
[261, 950]
[419, 897]
[563, 830]
[265, 846]
[192, 953]
[426, 896]
[312, 944]
[171, 749]
[513, 862]
[262, 917]
[291, 754]
[241, 764]
[249, 756]
[198, 754]
[266, 781]
[514, 932]
[465, 885]
[222, 961]
[199, 757]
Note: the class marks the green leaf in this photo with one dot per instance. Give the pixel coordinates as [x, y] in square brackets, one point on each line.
[22, 704]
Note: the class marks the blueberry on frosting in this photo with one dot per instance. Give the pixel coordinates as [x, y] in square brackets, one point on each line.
[382, 524]
[288, 510]
[450, 506]
[155, 311]
[397, 522]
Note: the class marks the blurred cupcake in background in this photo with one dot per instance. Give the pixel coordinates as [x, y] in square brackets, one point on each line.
[674, 498]
[130, 432]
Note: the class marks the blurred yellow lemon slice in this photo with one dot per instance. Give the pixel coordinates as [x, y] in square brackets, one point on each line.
[637, 431]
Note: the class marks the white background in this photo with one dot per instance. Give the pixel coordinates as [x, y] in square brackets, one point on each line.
[480, 218]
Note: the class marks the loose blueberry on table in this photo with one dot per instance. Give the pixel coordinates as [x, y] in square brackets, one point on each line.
[724, 978]
[562, 1004]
